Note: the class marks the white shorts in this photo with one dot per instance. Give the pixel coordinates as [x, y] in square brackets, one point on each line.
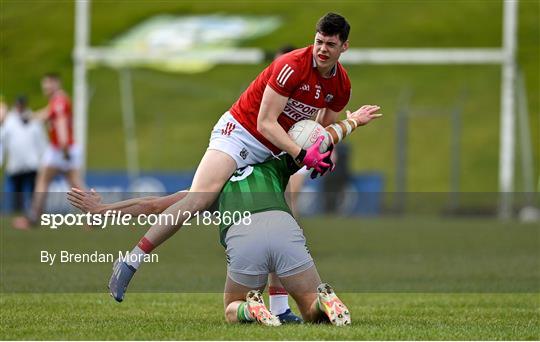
[54, 157]
[273, 242]
[232, 138]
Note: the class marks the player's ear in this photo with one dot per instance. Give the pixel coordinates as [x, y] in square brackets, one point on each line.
[345, 46]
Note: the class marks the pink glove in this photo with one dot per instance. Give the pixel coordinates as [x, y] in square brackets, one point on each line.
[313, 158]
[329, 161]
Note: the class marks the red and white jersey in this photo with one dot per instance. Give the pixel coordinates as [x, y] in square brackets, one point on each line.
[295, 76]
[59, 106]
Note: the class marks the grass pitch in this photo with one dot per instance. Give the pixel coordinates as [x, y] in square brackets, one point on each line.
[158, 316]
[403, 279]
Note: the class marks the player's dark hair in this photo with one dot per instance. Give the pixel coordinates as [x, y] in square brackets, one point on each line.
[52, 75]
[334, 24]
[21, 100]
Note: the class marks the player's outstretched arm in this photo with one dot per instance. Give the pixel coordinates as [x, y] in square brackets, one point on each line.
[364, 114]
[339, 130]
[91, 202]
[41, 114]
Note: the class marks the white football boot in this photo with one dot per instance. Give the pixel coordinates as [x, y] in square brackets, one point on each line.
[258, 310]
[332, 306]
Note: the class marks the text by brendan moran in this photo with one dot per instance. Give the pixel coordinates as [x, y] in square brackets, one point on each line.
[95, 257]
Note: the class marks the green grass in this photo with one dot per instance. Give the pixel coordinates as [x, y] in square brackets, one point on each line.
[161, 316]
[405, 278]
[177, 111]
[390, 255]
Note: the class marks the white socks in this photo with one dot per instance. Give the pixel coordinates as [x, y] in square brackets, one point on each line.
[135, 257]
[279, 303]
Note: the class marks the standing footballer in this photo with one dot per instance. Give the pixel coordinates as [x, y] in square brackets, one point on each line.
[62, 156]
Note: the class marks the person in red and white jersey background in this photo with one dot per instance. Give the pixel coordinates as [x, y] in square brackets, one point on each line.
[62, 155]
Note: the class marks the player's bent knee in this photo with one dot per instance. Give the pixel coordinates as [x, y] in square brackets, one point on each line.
[230, 313]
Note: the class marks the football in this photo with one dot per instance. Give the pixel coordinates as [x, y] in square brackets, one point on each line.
[305, 133]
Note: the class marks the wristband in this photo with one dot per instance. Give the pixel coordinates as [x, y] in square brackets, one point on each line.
[300, 157]
[353, 122]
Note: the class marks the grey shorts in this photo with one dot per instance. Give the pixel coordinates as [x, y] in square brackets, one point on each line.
[273, 242]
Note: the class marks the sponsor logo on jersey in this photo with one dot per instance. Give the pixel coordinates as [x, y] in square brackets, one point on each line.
[242, 173]
[229, 127]
[297, 110]
[329, 98]
[304, 87]
[284, 75]
[244, 153]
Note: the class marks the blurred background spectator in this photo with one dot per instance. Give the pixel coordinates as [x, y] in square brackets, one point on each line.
[23, 141]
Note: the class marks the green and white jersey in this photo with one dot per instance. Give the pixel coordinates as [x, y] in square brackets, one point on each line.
[257, 188]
